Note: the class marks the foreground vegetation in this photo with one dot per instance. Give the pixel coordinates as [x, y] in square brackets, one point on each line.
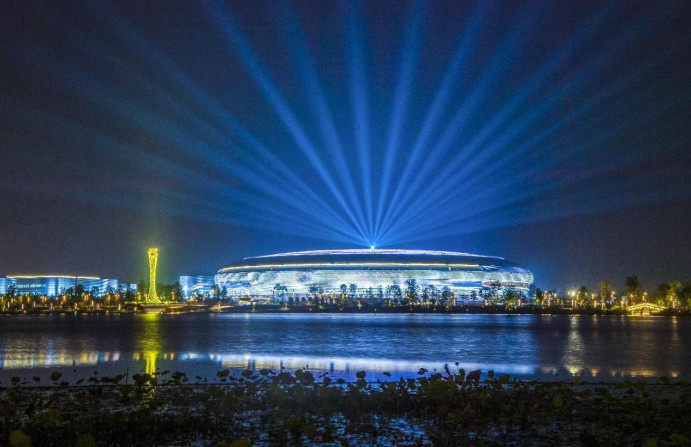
[269, 408]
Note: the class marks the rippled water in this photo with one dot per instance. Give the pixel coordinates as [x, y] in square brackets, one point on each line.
[595, 347]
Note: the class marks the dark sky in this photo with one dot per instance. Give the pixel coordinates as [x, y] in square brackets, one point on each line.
[560, 138]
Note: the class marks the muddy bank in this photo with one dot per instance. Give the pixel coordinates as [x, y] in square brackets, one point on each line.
[268, 408]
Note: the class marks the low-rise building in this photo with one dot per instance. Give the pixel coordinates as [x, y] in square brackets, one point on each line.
[54, 285]
[196, 286]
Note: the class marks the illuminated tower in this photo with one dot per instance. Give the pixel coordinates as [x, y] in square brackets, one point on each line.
[153, 264]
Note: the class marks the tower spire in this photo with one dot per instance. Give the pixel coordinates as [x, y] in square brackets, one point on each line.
[153, 265]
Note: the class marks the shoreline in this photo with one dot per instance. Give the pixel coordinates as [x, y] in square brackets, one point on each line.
[333, 309]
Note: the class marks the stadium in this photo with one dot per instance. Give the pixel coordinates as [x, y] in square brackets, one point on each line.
[371, 273]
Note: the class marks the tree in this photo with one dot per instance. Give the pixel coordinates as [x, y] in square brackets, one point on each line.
[353, 290]
[660, 296]
[511, 296]
[314, 291]
[176, 292]
[634, 289]
[673, 295]
[395, 291]
[584, 296]
[165, 291]
[667, 295]
[412, 289]
[604, 290]
[433, 293]
[446, 294]
[540, 296]
[129, 293]
[280, 291]
[685, 296]
[491, 292]
[141, 288]
[552, 297]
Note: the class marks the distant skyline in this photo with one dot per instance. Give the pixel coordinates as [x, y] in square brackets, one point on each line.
[554, 136]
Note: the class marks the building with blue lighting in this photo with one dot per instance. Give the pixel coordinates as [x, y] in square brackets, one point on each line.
[372, 272]
[54, 285]
[196, 286]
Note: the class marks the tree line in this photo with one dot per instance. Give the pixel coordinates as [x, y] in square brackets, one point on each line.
[79, 296]
[671, 295]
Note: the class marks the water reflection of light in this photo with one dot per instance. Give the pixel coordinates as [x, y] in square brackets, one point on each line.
[334, 366]
[150, 341]
[12, 360]
[572, 359]
[329, 364]
[642, 373]
[556, 346]
[344, 364]
[150, 359]
[547, 370]
[676, 341]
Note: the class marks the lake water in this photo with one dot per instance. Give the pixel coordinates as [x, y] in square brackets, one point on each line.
[529, 346]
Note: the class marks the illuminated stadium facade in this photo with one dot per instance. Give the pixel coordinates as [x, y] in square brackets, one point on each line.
[373, 272]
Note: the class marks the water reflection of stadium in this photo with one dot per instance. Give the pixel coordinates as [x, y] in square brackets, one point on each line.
[207, 364]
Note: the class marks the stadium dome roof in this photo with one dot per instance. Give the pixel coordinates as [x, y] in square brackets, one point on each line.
[373, 257]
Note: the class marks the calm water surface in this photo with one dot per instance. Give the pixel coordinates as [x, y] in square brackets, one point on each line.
[547, 347]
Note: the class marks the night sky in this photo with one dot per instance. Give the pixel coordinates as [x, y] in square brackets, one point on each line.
[555, 134]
